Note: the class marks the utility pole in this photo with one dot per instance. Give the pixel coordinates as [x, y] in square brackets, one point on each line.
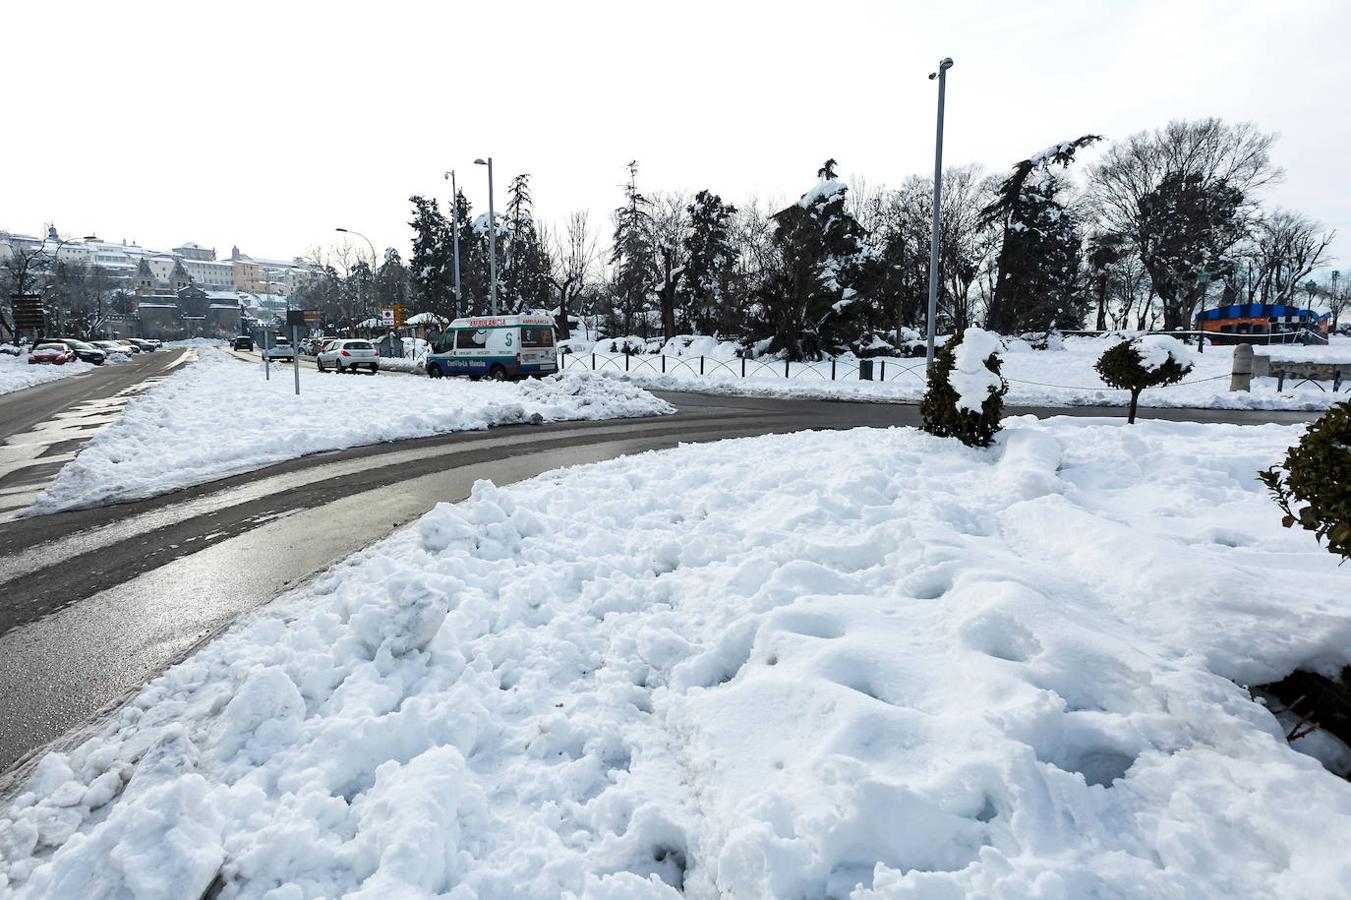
[492, 238]
[942, 76]
[455, 228]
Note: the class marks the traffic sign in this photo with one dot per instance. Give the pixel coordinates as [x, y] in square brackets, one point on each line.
[387, 315]
[400, 315]
[312, 317]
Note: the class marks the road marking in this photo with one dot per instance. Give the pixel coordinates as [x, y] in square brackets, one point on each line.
[48, 446]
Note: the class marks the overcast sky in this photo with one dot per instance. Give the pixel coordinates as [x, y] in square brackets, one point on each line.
[268, 124]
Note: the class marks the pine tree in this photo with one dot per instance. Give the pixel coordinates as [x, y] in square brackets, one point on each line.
[633, 256]
[710, 265]
[824, 266]
[1037, 285]
[432, 266]
[524, 274]
[474, 272]
[391, 281]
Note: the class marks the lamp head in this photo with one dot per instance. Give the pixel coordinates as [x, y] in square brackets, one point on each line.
[344, 230]
[480, 162]
[943, 66]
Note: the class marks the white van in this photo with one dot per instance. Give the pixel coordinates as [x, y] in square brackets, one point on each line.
[496, 347]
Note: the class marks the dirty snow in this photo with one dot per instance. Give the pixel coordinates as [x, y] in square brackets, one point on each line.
[733, 671]
[218, 416]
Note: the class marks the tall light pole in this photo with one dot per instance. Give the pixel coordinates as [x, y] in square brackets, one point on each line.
[942, 76]
[455, 227]
[492, 238]
[368, 244]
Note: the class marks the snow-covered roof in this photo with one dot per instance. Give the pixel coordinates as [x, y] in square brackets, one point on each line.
[425, 318]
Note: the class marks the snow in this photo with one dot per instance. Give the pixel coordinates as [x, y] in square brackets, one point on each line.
[824, 190]
[16, 374]
[217, 416]
[1062, 376]
[730, 670]
[973, 382]
[1157, 349]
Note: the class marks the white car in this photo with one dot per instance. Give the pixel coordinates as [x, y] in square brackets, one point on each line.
[281, 349]
[348, 356]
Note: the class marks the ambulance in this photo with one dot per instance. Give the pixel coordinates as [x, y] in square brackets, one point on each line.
[496, 347]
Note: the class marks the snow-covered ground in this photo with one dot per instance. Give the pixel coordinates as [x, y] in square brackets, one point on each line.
[1059, 377]
[865, 664]
[218, 416]
[16, 374]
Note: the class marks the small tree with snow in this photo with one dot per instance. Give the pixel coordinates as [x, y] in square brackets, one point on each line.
[1317, 480]
[1138, 364]
[965, 398]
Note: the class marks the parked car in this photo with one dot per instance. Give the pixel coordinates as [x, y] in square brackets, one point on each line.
[155, 342]
[129, 346]
[496, 347]
[51, 353]
[348, 356]
[85, 351]
[281, 349]
[242, 342]
[142, 344]
[111, 347]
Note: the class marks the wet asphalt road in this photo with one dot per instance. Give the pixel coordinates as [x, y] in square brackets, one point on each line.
[95, 602]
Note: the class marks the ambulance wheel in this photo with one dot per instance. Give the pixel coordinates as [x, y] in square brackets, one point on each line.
[433, 371]
[497, 373]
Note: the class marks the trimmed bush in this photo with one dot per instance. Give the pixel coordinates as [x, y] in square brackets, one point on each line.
[1317, 480]
[1133, 366]
[965, 397]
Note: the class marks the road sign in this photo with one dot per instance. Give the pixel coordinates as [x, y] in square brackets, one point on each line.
[28, 312]
[295, 318]
[400, 315]
[387, 315]
[312, 317]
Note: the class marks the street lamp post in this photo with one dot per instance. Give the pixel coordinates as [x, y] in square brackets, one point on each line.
[942, 76]
[455, 229]
[368, 244]
[492, 238]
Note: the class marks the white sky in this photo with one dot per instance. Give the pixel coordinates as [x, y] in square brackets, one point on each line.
[268, 124]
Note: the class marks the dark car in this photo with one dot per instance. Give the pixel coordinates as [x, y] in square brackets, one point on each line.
[243, 342]
[142, 344]
[86, 352]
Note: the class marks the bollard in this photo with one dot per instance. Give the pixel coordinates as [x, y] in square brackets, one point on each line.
[743, 367]
[701, 365]
[1240, 379]
[663, 364]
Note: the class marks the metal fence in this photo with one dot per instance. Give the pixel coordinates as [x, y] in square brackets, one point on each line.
[877, 370]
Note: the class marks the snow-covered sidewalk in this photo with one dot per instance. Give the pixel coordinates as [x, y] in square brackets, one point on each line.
[862, 664]
[218, 416]
[16, 374]
[1057, 377]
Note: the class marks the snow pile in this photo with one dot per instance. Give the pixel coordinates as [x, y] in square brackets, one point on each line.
[16, 373]
[970, 378]
[732, 670]
[218, 417]
[1157, 349]
[1052, 377]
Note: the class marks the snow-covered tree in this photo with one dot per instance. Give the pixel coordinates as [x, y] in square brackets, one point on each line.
[823, 266]
[432, 265]
[632, 255]
[706, 298]
[523, 273]
[1037, 284]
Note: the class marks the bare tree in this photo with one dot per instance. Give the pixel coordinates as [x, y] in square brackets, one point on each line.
[1286, 247]
[573, 256]
[1204, 155]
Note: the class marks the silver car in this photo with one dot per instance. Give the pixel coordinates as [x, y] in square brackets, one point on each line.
[348, 355]
[281, 349]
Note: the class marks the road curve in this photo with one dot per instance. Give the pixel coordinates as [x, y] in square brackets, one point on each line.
[95, 602]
